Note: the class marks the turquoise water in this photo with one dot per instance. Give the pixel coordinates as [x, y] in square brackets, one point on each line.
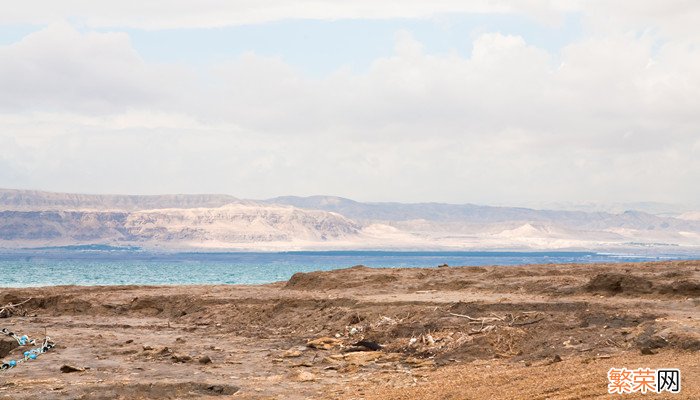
[126, 267]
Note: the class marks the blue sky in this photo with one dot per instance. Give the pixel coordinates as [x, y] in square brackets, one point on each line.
[321, 47]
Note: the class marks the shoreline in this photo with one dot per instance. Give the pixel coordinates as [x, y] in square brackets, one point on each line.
[279, 282]
[296, 339]
[88, 269]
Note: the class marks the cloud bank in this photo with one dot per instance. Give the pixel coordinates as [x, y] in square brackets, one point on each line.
[610, 117]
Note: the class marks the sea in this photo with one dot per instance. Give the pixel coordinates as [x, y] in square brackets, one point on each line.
[102, 265]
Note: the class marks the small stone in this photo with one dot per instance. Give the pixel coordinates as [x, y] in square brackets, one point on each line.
[362, 358]
[180, 358]
[369, 345]
[324, 343]
[67, 369]
[304, 376]
[304, 364]
[646, 351]
[419, 363]
[556, 359]
[205, 360]
[291, 353]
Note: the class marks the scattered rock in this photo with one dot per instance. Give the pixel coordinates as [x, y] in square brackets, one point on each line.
[443, 266]
[646, 351]
[556, 359]
[304, 364]
[419, 363]
[291, 353]
[362, 358]
[205, 360]
[369, 345]
[181, 358]
[324, 343]
[652, 340]
[67, 369]
[335, 357]
[304, 376]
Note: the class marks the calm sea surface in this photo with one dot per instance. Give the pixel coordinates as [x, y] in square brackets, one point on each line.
[123, 267]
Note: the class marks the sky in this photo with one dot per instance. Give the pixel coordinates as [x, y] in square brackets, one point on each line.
[490, 102]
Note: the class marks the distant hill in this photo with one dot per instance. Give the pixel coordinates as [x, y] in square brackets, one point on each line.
[40, 219]
[28, 200]
[230, 226]
[476, 214]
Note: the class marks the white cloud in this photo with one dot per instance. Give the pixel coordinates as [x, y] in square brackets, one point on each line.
[613, 117]
[673, 19]
[60, 68]
[159, 14]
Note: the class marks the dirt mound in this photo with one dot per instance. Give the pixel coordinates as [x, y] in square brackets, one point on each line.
[455, 284]
[682, 288]
[61, 304]
[6, 346]
[615, 283]
[312, 281]
[165, 390]
[340, 279]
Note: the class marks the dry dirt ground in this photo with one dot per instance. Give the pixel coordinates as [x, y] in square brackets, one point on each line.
[526, 332]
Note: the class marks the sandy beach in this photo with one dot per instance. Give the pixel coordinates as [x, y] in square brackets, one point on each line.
[536, 332]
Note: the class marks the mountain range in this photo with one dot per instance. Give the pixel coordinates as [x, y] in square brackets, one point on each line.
[222, 222]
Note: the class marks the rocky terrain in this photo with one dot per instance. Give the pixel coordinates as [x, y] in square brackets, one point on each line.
[540, 331]
[40, 219]
[193, 227]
